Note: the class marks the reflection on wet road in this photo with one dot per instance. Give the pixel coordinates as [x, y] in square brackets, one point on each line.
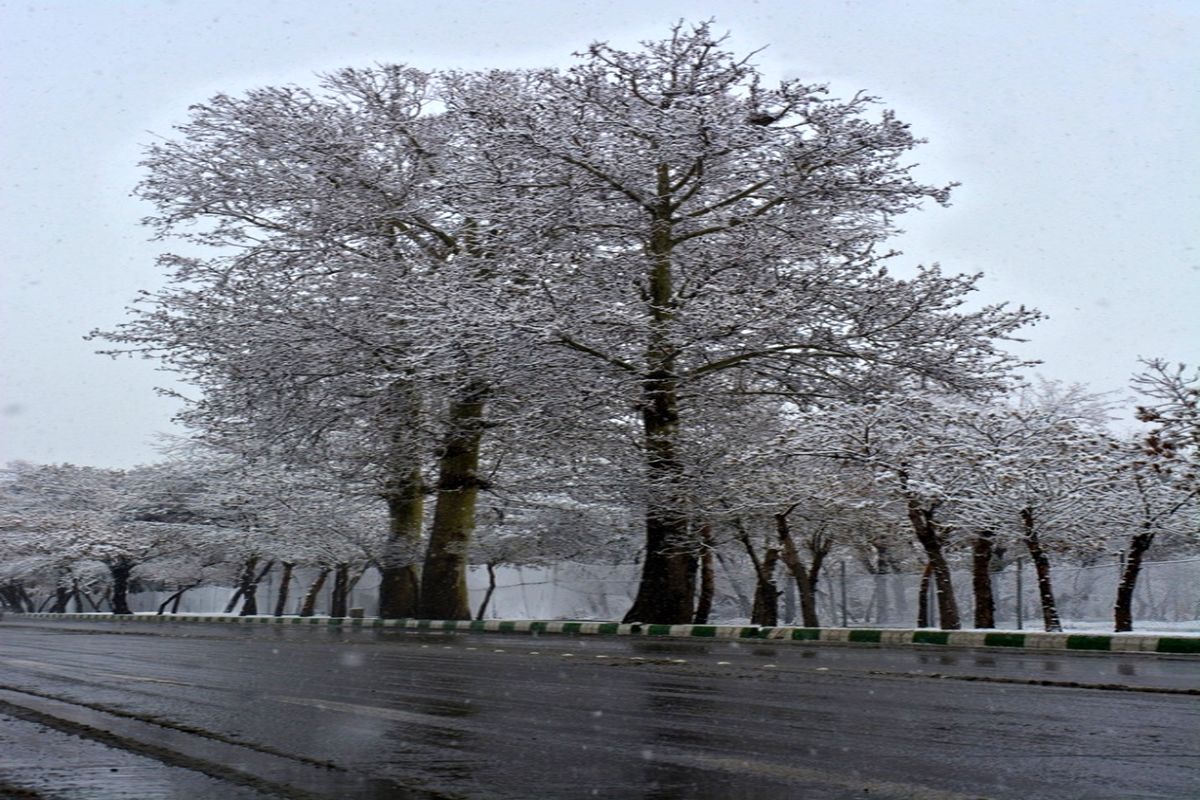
[388, 712]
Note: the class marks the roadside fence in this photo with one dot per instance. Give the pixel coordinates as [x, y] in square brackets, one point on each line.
[1168, 594]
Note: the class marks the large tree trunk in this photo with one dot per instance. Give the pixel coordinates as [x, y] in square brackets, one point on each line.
[285, 583]
[119, 569]
[341, 591]
[1123, 608]
[250, 591]
[982, 551]
[404, 493]
[766, 592]
[444, 576]
[309, 605]
[1041, 565]
[928, 533]
[399, 575]
[806, 584]
[667, 590]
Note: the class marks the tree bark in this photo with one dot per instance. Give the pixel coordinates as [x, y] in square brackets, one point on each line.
[1123, 608]
[491, 589]
[309, 604]
[404, 493]
[928, 533]
[923, 596]
[1041, 565]
[340, 594]
[174, 599]
[62, 595]
[244, 577]
[766, 592]
[806, 586]
[444, 576]
[250, 591]
[708, 580]
[667, 589]
[14, 596]
[982, 551]
[285, 583]
[399, 576]
[119, 569]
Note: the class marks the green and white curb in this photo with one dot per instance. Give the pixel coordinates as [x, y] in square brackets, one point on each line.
[1031, 640]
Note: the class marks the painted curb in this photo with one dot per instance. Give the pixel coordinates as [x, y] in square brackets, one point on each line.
[1031, 640]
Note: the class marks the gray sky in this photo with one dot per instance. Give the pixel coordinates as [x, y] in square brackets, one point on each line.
[1073, 127]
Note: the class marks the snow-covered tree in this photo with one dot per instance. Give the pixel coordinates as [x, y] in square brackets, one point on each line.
[398, 254]
[1156, 483]
[720, 233]
[1038, 470]
[82, 514]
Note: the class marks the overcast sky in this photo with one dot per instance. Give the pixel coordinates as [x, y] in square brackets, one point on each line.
[1073, 127]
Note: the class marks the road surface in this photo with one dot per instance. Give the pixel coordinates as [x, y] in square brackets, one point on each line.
[116, 710]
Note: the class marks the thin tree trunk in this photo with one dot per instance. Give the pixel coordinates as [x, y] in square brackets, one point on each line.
[284, 588]
[1041, 565]
[806, 586]
[250, 591]
[244, 578]
[91, 601]
[1123, 608]
[491, 588]
[982, 551]
[62, 596]
[766, 591]
[708, 579]
[309, 604]
[174, 599]
[353, 582]
[879, 570]
[923, 596]
[444, 576]
[929, 535]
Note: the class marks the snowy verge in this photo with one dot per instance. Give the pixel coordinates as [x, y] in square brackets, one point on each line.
[1175, 644]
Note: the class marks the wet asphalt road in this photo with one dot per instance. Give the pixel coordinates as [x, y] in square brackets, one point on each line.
[116, 710]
